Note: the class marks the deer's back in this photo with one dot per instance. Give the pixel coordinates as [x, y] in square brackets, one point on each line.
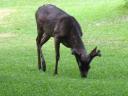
[47, 17]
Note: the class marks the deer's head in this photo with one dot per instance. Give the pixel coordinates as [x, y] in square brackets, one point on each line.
[84, 60]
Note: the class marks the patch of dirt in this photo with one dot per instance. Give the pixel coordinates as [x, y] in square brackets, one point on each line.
[6, 35]
[116, 20]
[5, 12]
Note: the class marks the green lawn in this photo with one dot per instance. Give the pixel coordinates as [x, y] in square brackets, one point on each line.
[104, 24]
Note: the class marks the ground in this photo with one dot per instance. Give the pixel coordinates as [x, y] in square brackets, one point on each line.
[104, 24]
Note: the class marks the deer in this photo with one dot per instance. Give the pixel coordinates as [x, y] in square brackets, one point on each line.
[54, 22]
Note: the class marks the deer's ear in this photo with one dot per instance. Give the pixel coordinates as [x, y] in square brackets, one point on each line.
[95, 52]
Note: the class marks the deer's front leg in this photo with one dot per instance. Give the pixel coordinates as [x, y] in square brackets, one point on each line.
[38, 50]
[57, 50]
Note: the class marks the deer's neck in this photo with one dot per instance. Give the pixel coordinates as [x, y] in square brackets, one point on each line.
[78, 46]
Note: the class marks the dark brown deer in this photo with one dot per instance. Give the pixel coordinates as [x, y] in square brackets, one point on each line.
[54, 22]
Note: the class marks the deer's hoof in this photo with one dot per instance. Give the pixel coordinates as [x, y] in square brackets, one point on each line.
[44, 68]
[55, 73]
[39, 67]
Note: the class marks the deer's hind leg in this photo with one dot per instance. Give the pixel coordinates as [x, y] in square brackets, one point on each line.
[41, 60]
[40, 40]
[44, 39]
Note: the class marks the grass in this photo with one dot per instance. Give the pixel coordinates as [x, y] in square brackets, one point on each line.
[104, 24]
